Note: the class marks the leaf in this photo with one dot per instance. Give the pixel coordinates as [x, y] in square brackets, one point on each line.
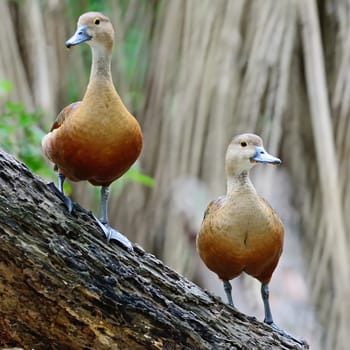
[5, 87]
[134, 175]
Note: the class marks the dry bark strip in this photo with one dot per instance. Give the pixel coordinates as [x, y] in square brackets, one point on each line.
[62, 286]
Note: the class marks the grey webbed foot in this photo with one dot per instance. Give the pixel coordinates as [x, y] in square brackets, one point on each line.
[112, 234]
[66, 200]
[285, 334]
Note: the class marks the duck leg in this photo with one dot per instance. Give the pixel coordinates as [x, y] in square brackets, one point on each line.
[60, 193]
[67, 201]
[268, 314]
[104, 206]
[109, 232]
[265, 297]
[228, 291]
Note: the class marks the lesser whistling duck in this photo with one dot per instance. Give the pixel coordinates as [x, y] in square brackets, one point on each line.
[95, 139]
[240, 232]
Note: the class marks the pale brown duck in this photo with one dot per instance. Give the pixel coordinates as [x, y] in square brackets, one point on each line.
[240, 231]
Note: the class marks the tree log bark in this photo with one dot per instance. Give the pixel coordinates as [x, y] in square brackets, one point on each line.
[62, 286]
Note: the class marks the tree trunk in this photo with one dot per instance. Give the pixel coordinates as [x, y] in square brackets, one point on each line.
[64, 287]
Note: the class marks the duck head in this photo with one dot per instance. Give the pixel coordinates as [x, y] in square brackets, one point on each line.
[244, 152]
[95, 29]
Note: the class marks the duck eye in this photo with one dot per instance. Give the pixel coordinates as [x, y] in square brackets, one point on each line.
[244, 144]
[97, 21]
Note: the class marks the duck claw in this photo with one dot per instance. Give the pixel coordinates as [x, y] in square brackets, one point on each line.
[117, 236]
[66, 200]
[112, 234]
[285, 334]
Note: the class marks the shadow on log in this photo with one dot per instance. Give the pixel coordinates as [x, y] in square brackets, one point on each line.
[62, 286]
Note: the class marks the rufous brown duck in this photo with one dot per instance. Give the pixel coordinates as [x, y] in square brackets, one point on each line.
[95, 139]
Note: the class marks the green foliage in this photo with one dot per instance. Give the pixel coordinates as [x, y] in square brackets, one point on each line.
[134, 174]
[20, 133]
[5, 87]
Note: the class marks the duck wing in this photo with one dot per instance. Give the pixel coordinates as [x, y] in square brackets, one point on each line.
[214, 205]
[64, 114]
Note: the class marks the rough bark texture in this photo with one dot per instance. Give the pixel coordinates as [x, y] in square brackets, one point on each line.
[62, 286]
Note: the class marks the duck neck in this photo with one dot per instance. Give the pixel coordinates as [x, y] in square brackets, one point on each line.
[101, 65]
[239, 183]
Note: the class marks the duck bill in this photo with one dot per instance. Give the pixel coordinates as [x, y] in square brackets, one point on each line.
[261, 156]
[80, 36]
